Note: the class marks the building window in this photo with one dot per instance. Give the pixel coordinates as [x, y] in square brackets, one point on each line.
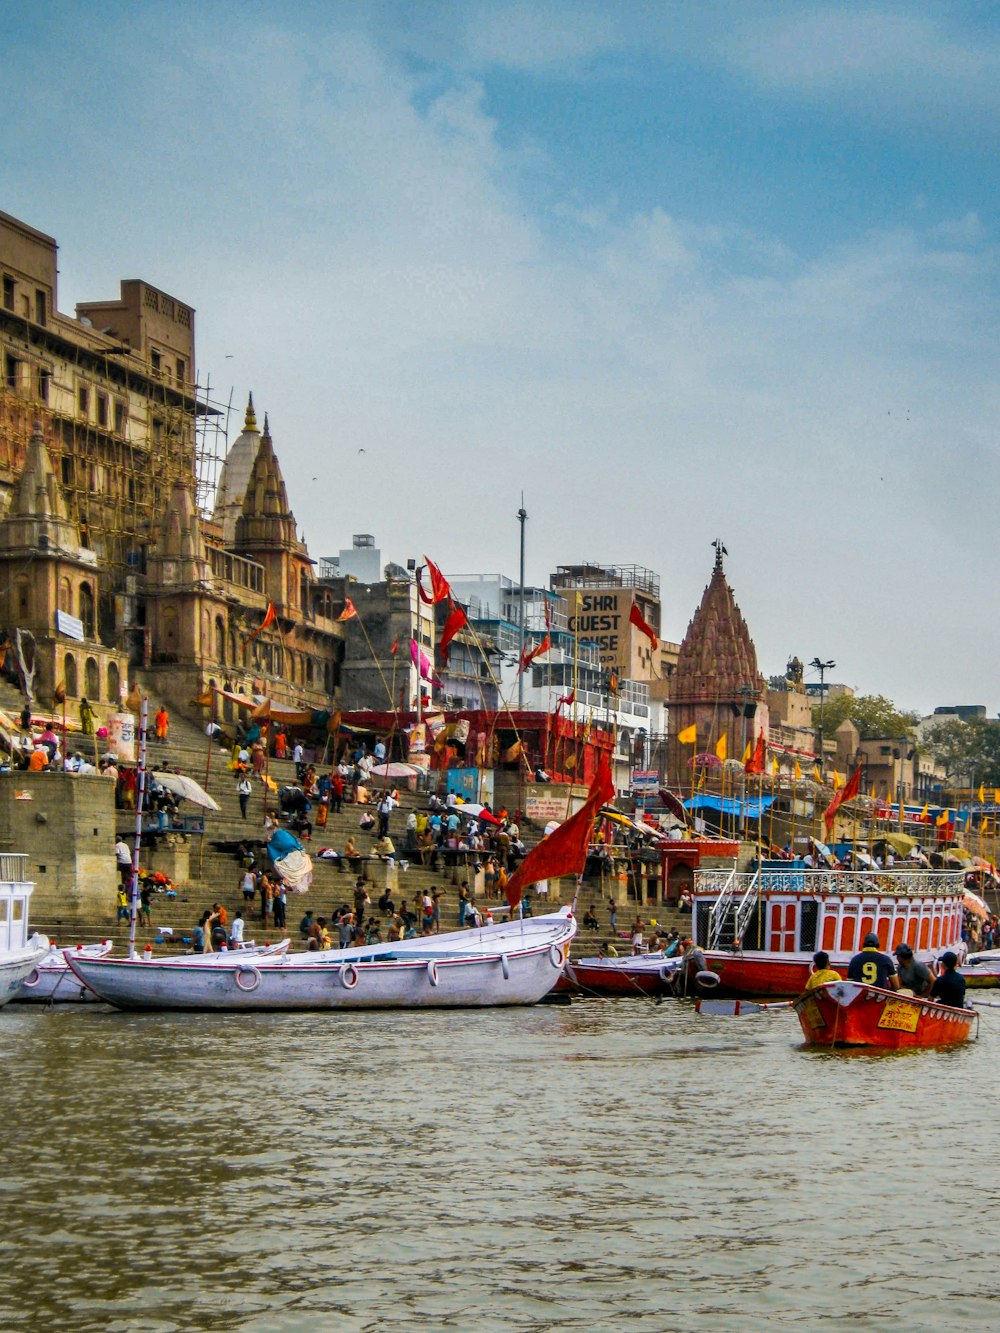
[66, 468]
[154, 361]
[43, 385]
[119, 417]
[102, 409]
[83, 400]
[11, 372]
[40, 306]
[8, 292]
[180, 370]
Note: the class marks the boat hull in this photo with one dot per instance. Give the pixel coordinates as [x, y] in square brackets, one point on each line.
[846, 1013]
[619, 976]
[16, 964]
[468, 970]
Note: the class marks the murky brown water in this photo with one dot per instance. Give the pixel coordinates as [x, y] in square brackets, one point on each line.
[611, 1165]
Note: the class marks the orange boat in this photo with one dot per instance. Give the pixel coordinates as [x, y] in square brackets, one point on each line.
[848, 1013]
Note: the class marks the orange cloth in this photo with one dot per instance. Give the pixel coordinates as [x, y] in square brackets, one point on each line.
[39, 760]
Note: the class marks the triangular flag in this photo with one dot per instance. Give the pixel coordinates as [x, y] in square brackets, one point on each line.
[440, 587]
[566, 699]
[722, 746]
[982, 795]
[527, 657]
[635, 618]
[456, 620]
[775, 766]
[817, 776]
[846, 793]
[395, 646]
[798, 772]
[270, 616]
[349, 611]
[755, 764]
[924, 812]
[838, 781]
[872, 792]
[746, 754]
[689, 736]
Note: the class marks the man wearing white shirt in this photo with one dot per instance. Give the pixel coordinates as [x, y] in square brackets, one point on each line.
[236, 932]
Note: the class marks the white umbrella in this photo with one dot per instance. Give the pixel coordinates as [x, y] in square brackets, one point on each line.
[181, 785]
[474, 811]
[395, 769]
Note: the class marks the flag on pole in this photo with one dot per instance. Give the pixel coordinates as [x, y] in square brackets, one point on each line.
[395, 646]
[755, 764]
[635, 618]
[440, 587]
[722, 746]
[349, 611]
[565, 699]
[846, 793]
[748, 750]
[775, 766]
[529, 655]
[798, 772]
[817, 776]
[982, 795]
[924, 812]
[838, 780]
[513, 752]
[456, 621]
[564, 851]
[270, 616]
[689, 736]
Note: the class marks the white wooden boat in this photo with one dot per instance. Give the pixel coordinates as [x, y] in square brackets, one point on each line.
[512, 963]
[19, 954]
[52, 981]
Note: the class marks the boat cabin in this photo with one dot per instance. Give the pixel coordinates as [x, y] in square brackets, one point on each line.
[792, 910]
[15, 891]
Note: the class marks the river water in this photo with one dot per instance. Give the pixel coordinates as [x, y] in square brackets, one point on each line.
[608, 1165]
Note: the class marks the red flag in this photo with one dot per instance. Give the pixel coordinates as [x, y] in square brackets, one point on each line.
[564, 851]
[452, 625]
[395, 646]
[349, 611]
[270, 616]
[755, 764]
[529, 655]
[566, 699]
[846, 793]
[635, 618]
[440, 587]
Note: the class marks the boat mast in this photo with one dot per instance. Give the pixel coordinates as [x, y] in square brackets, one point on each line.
[140, 793]
[521, 518]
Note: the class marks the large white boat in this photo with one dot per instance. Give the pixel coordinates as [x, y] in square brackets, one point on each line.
[19, 954]
[52, 981]
[760, 929]
[513, 963]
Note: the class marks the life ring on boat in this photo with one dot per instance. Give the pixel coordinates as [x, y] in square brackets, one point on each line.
[349, 976]
[432, 972]
[247, 978]
[505, 967]
[33, 977]
[667, 973]
[706, 980]
[556, 956]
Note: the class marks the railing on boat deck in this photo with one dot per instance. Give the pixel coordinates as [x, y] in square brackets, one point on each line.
[732, 909]
[13, 867]
[729, 886]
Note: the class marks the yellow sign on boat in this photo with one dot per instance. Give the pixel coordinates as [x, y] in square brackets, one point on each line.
[812, 1014]
[899, 1015]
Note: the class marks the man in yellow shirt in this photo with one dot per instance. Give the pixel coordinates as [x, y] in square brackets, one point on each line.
[822, 971]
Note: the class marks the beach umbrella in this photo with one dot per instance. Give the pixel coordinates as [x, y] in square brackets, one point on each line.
[181, 785]
[974, 904]
[901, 843]
[395, 769]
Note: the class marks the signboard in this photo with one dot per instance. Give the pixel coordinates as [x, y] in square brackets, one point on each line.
[601, 618]
[69, 625]
[645, 779]
[121, 736]
[418, 739]
[543, 802]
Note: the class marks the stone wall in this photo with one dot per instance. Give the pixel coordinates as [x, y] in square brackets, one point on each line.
[65, 823]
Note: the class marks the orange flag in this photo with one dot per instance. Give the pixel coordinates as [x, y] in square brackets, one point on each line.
[349, 611]
[440, 587]
[755, 764]
[564, 851]
[456, 620]
[528, 656]
[270, 616]
[846, 793]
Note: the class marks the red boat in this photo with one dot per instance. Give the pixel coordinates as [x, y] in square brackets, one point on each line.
[638, 974]
[848, 1013]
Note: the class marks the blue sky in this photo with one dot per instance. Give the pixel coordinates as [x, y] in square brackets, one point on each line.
[674, 271]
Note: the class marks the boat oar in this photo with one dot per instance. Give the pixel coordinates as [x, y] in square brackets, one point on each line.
[737, 1008]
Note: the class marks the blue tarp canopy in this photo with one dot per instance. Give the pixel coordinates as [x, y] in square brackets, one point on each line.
[752, 809]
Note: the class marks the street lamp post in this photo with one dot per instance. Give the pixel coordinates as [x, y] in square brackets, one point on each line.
[822, 668]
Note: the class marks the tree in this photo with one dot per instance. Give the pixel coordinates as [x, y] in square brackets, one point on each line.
[873, 714]
[970, 751]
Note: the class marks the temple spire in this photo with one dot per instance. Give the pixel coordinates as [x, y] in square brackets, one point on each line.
[720, 551]
[250, 420]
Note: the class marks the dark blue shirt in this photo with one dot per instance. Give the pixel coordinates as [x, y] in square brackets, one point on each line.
[949, 989]
[872, 968]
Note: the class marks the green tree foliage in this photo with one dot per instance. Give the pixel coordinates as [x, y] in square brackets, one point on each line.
[873, 715]
[970, 751]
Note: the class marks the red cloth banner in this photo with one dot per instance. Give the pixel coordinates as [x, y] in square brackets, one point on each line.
[456, 620]
[846, 793]
[564, 851]
[440, 587]
[527, 657]
[270, 616]
[755, 764]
